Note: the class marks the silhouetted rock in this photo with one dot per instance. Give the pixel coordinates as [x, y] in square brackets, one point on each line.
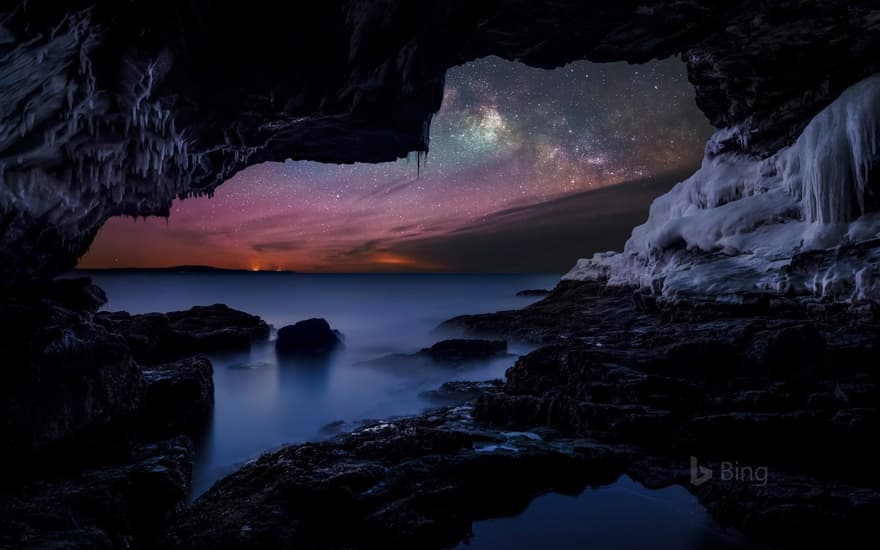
[534, 292]
[104, 507]
[309, 337]
[450, 353]
[459, 392]
[420, 482]
[408, 483]
[462, 350]
[161, 337]
[179, 396]
[61, 375]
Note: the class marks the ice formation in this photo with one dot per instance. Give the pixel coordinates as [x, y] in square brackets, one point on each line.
[803, 222]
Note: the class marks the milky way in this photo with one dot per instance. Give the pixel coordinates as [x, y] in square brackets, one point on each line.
[506, 136]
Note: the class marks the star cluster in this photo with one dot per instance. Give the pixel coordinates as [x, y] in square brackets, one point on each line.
[507, 136]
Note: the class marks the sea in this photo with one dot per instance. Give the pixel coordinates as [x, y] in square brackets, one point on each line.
[263, 402]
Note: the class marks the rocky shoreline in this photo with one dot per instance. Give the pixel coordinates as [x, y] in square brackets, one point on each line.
[618, 388]
[98, 414]
[620, 385]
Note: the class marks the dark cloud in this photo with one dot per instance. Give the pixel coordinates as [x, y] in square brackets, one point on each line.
[277, 246]
[546, 237]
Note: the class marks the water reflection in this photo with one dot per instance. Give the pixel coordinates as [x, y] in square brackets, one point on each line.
[622, 515]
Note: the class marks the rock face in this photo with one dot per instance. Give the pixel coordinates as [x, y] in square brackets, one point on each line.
[112, 109]
[309, 337]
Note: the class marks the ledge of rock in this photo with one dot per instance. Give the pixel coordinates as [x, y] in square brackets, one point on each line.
[459, 392]
[450, 353]
[160, 337]
[421, 482]
[104, 507]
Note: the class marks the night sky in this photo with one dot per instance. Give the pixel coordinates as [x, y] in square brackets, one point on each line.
[512, 149]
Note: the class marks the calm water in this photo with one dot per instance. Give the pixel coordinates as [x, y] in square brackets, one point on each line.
[262, 403]
[624, 515]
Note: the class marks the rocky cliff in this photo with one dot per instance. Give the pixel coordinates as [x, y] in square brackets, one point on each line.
[111, 108]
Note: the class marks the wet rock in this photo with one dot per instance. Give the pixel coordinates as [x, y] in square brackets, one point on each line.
[77, 294]
[106, 507]
[460, 350]
[533, 292]
[767, 385]
[422, 481]
[161, 337]
[447, 353]
[459, 392]
[62, 375]
[179, 396]
[309, 337]
[406, 483]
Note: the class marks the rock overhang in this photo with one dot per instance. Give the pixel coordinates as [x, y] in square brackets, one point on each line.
[117, 109]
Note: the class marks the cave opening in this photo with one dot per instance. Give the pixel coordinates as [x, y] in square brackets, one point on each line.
[520, 158]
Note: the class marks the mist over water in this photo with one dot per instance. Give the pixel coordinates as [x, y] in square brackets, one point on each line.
[263, 401]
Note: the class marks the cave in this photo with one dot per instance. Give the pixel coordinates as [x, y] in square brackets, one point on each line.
[764, 264]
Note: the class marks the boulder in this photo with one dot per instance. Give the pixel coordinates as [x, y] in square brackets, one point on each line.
[310, 337]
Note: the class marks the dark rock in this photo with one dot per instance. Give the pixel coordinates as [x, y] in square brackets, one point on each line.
[449, 353]
[179, 396]
[534, 292]
[420, 483]
[105, 507]
[62, 375]
[459, 392]
[161, 337]
[412, 483]
[762, 384]
[309, 337]
[78, 294]
[460, 350]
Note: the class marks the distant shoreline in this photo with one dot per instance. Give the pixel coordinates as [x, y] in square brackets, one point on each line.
[174, 269]
[196, 269]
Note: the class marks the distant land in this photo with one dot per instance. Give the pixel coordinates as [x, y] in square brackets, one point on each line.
[176, 269]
